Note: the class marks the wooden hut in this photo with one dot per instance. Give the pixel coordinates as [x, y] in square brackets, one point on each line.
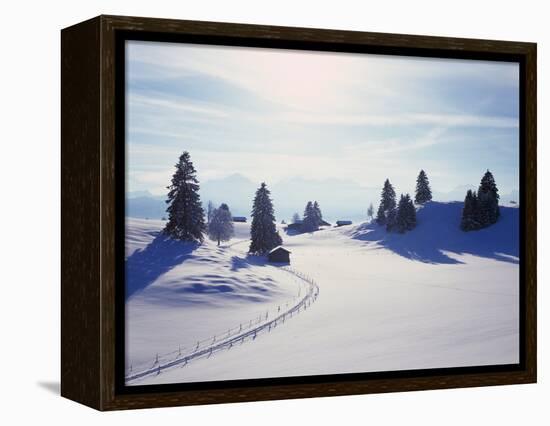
[279, 255]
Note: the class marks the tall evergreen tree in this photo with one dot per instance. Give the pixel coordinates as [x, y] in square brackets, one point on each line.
[406, 215]
[470, 212]
[220, 227]
[185, 212]
[296, 218]
[387, 202]
[391, 219]
[381, 215]
[468, 222]
[311, 218]
[263, 232]
[411, 216]
[481, 209]
[488, 197]
[423, 190]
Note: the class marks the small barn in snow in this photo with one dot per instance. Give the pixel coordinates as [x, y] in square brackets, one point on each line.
[343, 222]
[279, 255]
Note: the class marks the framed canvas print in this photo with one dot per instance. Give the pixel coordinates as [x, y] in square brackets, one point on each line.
[254, 212]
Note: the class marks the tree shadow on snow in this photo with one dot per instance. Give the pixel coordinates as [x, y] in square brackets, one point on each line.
[245, 262]
[143, 267]
[438, 231]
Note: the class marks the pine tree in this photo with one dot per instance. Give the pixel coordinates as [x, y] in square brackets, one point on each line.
[411, 213]
[405, 219]
[391, 219]
[466, 222]
[477, 215]
[318, 213]
[387, 203]
[263, 232]
[370, 212]
[481, 209]
[488, 197]
[296, 218]
[311, 218]
[185, 212]
[220, 227]
[471, 219]
[423, 191]
[381, 215]
[400, 217]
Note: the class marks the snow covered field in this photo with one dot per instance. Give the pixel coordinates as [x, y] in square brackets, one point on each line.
[434, 297]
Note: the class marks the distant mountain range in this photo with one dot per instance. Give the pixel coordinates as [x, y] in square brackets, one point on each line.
[339, 199]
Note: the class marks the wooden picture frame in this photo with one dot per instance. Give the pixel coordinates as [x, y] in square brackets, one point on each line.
[93, 192]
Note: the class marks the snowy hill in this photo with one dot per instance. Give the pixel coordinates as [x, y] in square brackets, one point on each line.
[438, 236]
[170, 284]
[434, 297]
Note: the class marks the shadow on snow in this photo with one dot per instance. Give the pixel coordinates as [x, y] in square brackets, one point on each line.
[143, 267]
[438, 232]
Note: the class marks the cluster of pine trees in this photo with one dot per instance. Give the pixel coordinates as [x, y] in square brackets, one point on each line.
[186, 214]
[401, 217]
[481, 208]
[313, 218]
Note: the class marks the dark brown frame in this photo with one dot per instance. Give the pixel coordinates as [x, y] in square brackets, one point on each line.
[89, 182]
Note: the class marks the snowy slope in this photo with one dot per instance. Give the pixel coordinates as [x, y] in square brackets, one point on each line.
[180, 293]
[435, 297]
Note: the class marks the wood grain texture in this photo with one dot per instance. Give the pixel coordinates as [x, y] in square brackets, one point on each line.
[80, 214]
[89, 195]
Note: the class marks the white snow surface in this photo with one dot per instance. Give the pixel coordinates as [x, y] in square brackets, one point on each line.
[432, 298]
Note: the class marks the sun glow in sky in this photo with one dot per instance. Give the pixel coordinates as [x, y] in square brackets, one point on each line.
[277, 114]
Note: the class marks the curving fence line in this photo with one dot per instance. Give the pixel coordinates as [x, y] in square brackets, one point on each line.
[234, 336]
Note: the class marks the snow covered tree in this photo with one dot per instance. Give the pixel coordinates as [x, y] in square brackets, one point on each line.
[209, 211]
[387, 203]
[488, 197]
[406, 214]
[263, 232]
[220, 227]
[423, 191]
[370, 211]
[185, 212]
[296, 218]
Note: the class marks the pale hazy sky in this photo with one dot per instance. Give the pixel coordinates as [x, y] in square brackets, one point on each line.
[272, 114]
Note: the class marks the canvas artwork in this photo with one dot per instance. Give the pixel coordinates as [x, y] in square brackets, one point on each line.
[296, 213]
